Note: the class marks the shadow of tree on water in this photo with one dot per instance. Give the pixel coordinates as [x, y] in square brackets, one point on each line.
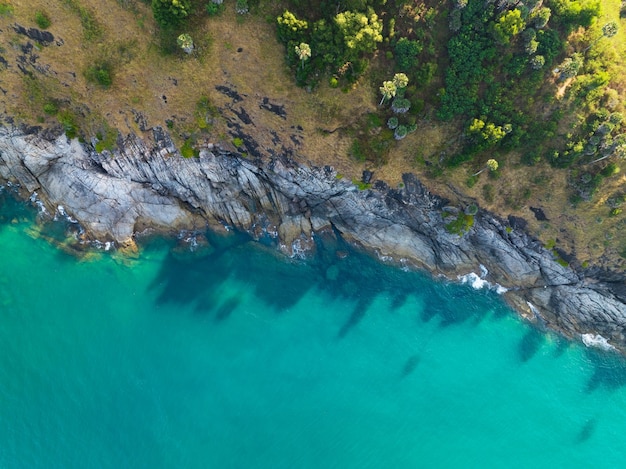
[609, 371]
[586, 431]
[530, 344]
[337, 271]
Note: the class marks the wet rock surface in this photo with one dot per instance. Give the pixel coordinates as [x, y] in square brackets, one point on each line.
[146, 183]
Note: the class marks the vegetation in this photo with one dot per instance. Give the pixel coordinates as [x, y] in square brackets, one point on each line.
[441, 89]
[42, 19]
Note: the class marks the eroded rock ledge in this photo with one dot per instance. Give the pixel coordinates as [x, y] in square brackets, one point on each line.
[146, 183]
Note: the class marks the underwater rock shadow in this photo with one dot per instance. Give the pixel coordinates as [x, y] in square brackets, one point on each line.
[443, 304]
[586, 431]
[529, 345]
[609, 371]
[196, 280]
[410, 365]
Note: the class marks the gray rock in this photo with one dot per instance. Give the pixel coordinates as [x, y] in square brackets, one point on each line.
[148, 184]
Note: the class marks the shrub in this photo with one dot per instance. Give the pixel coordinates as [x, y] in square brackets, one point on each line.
[406, 52]
[400, 132]
[242, 7]
[6, 8]
[392, 123]
[42, 19]
[101, 74]
[68, 120]
[170, 13]
[214, 9]
[50, 109]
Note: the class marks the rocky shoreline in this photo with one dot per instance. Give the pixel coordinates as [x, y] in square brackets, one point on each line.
[146, 184]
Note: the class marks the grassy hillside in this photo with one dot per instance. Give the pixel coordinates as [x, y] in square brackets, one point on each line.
[111, 70]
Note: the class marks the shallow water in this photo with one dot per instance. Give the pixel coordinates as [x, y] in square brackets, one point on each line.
[240, 358]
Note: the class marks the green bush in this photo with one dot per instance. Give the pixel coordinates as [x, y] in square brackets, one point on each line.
[461, 225]
[42, 19]
[170, 13]
[100, 74]
[214, 9]
[50, 109]
[68, 120]
[187, 150]
[6, 8]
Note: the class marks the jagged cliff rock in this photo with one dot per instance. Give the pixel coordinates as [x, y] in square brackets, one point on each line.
[148, 184]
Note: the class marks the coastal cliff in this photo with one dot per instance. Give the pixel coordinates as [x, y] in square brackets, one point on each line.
[146, 184]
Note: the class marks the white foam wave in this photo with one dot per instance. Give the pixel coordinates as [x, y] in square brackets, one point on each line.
[596, 340]
[34, 198]
[61, 211]
[478, 282]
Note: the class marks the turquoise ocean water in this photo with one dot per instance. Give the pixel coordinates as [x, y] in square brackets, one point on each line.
[237, 358]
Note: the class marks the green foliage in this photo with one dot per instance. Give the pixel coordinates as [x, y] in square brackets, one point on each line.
[6, 9]
[339, 42]
[50, 108]
[170, 13]
[615, 212]
[360, 32]
[238, 142]
[362, 186]
[108, 141]
[69, 122]
[290, 28]
[42, 19]
[92, 30]
[461, 225]
[508, 25]
[488, 193]
[242, 7]
[188, 150]
[214, 9]
[406, 52]
[100, 73]
[573, 13]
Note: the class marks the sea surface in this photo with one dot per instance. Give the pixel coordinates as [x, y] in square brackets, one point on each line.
[235, 357]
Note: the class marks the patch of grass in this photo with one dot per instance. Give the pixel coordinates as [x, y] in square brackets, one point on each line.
[238, 142]
[362, 186]
[51, 109]
[92, 30]
[187, 150]
[69, 122]
[206, 111]
[108, 140]
[100, 73]
[461, 225]
[6, 9]
[42, 19]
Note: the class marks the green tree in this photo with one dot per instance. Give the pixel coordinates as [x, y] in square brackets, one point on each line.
[388, 90]
[508, 25]
[492, 165]
[539, 18]
[185, 42]
[537, 62]
[400, 80]
[406, 52]
[303, 51]
[291, 28]
[170, 13]
[608, 30]
[570, 66]
[360, 32]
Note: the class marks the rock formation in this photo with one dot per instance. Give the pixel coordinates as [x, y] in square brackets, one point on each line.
[147, 184]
